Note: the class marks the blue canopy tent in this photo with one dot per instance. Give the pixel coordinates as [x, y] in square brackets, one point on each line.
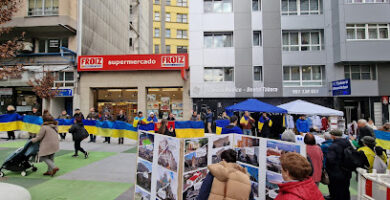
[254, 105]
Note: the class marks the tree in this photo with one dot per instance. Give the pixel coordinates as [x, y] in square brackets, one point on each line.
[8, 49]
[43, 87]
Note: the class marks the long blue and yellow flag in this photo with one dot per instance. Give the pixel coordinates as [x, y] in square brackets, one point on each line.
[32, 124]
[382, 139]
[189, 129]
[220, 124]
[64, 125]
[10, 122]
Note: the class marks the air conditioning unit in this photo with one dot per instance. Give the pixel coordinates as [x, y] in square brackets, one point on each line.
[28, 46]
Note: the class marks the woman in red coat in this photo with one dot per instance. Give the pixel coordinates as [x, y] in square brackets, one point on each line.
[297, 185]
[316, 156]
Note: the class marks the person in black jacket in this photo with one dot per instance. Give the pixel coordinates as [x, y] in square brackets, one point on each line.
[164, 130]
[364, 130]
[121, 117]
[78, 130]
[77, 112]
[11, 134]
[339, 178]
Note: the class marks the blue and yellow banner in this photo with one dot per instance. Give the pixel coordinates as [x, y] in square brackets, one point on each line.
[64, 125]
[10, 122]
[32, 124]
[220, 124]
[189, 129]
[382, 139]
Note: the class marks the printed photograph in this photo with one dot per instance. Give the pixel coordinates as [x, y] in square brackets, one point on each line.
[140, 194]
[255, 189]
[168, 153]
[247, 149]
[253, 172]
[166, 187]
[192, 183]
[221, 141]
[271, 187]
[195, 160]
[193, 145]
[144, 174]
[146, 146]
[216, 154]
[275, 150]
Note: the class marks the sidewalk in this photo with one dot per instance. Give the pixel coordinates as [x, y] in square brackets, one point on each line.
[107, 174]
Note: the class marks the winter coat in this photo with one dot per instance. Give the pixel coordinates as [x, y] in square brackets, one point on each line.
[324, 147]
[10, 111]
[246, 122]
[48, 135]
[79, 114]
[230, 182]
[335, 157]
[370, 155]
[317, 160]
[63, 116]
[303, 126]
[365, 131]
[209, 117]
[93, 116]
[299, 190]
[121, 118]
[77, 130]
[231, 129]
[35, 114]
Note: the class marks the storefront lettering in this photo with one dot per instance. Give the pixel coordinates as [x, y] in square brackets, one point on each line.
[306, 91]
[91, 62]
[132, 62]
[248, 89]
[173, 61]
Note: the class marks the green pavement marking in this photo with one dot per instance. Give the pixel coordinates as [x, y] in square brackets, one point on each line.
[66, 163]
[132, 150]
[24, 182]
[78, 190]
[13, 144]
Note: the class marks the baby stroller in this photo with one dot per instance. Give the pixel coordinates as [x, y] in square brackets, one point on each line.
[19, 161]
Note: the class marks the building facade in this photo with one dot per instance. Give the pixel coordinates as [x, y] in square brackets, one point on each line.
[283, 50]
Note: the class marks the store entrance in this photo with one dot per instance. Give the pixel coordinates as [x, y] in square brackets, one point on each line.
[113, 100]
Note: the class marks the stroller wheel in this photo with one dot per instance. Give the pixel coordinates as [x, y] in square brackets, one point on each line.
[23, 173]
[34, 169]
[2, 174]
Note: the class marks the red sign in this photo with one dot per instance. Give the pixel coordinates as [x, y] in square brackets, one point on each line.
[385, 100]
[133, 62]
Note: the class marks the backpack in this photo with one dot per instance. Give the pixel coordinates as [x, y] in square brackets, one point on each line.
[353, 159]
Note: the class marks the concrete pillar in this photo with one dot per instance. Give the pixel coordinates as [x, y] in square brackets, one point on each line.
[142, 99]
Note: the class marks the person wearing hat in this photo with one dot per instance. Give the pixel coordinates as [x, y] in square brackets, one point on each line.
[338, 177]
[370, 150]
[77, 113]
[152, 118]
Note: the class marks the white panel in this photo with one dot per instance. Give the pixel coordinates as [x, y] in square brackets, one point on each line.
[218, 22]
[257, 21]
[257, 56]
[225, 57]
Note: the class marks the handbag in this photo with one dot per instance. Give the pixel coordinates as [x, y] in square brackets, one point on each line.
[85, 133]
[324, 177]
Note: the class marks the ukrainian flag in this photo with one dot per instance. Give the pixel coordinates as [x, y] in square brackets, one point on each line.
[64, 125]
[105, 128]
[32, 124]
[382, 139]
[123, 129]
[147, 127]
[189, 129]
[221, 124]
[90, 126]
[10, 122]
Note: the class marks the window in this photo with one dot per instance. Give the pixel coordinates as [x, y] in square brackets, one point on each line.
[131, 9]
[218, 74]
[360, 72]
[167, 17]
[302, 76]
[218, 6]
[51, 45]
[367, 31]
[156, 48]
[182, 3]
[256, 5]
[182, 18]
[301, 7]
[156, 32]
[64, 79]
[167, 48]
[42, 7]
[257, 73]
[257, 38]
[168, 33]
[156, 16]
[181, 34]
[130, 42]
[168, 2]
[303, 41]
[156, 1]
[218, 39]
[367, 1]
[181, 49]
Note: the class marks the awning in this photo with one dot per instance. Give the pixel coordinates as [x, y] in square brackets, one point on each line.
[254, 105]
[300, 107]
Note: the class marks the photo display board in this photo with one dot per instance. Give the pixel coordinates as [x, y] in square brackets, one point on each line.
[174, 168]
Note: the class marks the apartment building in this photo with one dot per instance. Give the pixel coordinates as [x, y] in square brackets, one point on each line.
[284, 50]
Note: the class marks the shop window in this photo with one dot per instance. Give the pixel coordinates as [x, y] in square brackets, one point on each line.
[257, 73]
[303, 76]
[64, 79]
[360, 72]
[42, 7]
[162, 101]
[181, 49]
[218, 74]
[52, 45]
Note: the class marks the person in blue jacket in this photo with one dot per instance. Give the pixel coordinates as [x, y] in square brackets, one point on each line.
[302, 125]
[232, 127]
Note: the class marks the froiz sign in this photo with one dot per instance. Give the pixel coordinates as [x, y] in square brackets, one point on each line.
[91, 62]
[173, 61]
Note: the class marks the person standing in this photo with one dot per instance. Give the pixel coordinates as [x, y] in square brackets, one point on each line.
[316, 156]
[171, 117]
[297, 185]
[11, 134]
[325, 145]
[232, 127]
[107, 117]
[363, 130]
[121, 117]
[370, 150]
[139, 120]
[209, 120]
[339, 177]
[63, 115]
[302, 125]
[48, 136]
[165, 130]
[371, 124]
[324, 124]
[78, 131]
[195, 116]
[152, 118]
[34, 112]
[92, 115]
[264, 126]
[247, 123]
[77, 112]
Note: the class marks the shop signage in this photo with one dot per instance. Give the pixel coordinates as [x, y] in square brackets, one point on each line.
[5, 91]
[341, 87]
[64, 93]
[133, 62]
